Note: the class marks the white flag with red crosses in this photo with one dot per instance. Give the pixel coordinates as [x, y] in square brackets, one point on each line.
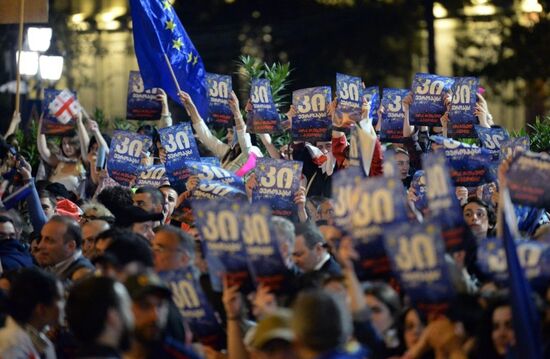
[64, 107]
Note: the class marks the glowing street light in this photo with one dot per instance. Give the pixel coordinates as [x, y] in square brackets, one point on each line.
[39, 38]
[28, 62]
[51, 67]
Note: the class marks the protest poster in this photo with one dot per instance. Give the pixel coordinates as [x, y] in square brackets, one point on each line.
[51, 125]
[263, 118]
[312, 122]
[376, 203]
[277, 183]
[491, 139]
[418, 185]
[194, 307]
[527, 179]
[442, 202]
[153, 175]
[470, 166]
[417, 256]
[461, 114]
[180, 146]
[126, 151]
[266, 262]
[142, 104]
[534, 258]
[219, 93]
[391, 128]
[371, 96]
[213, 161]
[343, 183]
[428, 104]
[350, 101]
[209, 172]
[217, 190]
[510, 147]
[220, 229]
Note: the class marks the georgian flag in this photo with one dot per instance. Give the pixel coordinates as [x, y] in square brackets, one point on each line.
[64, 107]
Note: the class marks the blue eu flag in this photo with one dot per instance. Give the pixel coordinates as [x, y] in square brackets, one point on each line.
[158, 33]
[524, 313]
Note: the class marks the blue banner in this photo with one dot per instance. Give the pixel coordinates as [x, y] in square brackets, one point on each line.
[343, 184]
[210, 172]
[376, 202]
[428, 104]
[391, 129]
[527, 179]
[212, 161]
[194, 307]
[417, 257]
[491, 139]
[371, 96]
[141, 103]
[162, 46]
[350, 100]
[513, 145]
[127, 150]
[220, 228]
[219, 93]
[418, 185]
[153, 175]
[278, 181]
[470, 165]
[312, 122]
[442, 201]
[217, 190]
[264, 256]
[264, 117]
[50, 124]
[180, 146]
[461, 115]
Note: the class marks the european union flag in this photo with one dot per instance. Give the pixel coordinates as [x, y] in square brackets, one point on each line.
[524, 313]
[159, 34]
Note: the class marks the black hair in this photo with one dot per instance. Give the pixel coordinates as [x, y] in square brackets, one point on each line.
[156, 195]
[93, 141]
[88, 306]
[130, 247]
[6, 219]
[384, 293]
[30, 287]
[491, 213]
[72, 232]
[115, 197]
[311, 234]
[484, 342]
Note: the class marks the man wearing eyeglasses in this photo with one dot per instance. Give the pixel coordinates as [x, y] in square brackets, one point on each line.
[13, 255]
[90, 230]
[172, 249]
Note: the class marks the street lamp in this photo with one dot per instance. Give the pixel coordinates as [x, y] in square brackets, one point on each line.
[51, 67]
[28, 62]
[39, 38]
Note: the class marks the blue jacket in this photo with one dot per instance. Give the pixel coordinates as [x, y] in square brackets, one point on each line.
[14, 255]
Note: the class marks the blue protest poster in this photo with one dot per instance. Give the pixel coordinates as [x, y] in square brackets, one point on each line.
[180, 146]
[220, 228]
[343, 184]
[511, 146]
[470, 166]
[312, 122]
[217, 190]
[527, 179]
[142, 103]
[418, 184]
[264, 256]
[126, 151]
[377, 202]
[417, 256]
[153, 175]
[264, 117]
[491, 139]
[209, 172]
[461, 115]
[219, 93]
[350, 100]
[371, 95]
[213, 161]
[391, 128]
[428, 103]
[194, 307]
[278, 181]
[534, 258]
[50, 124]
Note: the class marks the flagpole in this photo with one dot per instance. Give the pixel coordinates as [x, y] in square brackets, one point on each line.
[172, 72]
[20, 46]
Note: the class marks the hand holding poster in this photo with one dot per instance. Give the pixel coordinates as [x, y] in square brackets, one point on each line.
[511, 146]
[127, 150]
[180, 146]
[142, 104]
[263, 118]
[527, 179]
[461, 115]
[194, 307]
[343, 183]
[51, 125]
[350, 100]
[491, 139]
[428, 104]
[277, 183]
[312, 122]
[219, 90]
[417, 256]
[391, 129]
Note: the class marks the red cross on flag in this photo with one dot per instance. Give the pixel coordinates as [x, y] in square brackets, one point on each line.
[64, 107]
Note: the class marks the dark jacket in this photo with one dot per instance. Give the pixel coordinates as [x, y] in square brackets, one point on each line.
[14, 255]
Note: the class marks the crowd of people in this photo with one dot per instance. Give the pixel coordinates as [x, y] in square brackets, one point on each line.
[81, 256]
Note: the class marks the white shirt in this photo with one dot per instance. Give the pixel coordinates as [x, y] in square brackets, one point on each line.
[325, 259]
[15, 343]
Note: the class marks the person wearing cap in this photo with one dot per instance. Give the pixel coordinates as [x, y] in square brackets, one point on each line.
[272, 338]
[150, 306]
[59, 249]
[138, 220]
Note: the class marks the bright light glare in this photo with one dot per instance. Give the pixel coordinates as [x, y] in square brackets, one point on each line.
[29, 63]
[51, 67]
[531, 6]
[39, 38]
[439, 11]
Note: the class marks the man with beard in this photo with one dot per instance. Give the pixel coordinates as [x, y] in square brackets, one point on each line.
[150, 305]
[99, 316]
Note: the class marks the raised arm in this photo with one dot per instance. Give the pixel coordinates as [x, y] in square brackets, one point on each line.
[269, 146]
[408, 130]
[83, 136]
[165, 115]
[14, 124]
[240, 126]
[42, 146]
